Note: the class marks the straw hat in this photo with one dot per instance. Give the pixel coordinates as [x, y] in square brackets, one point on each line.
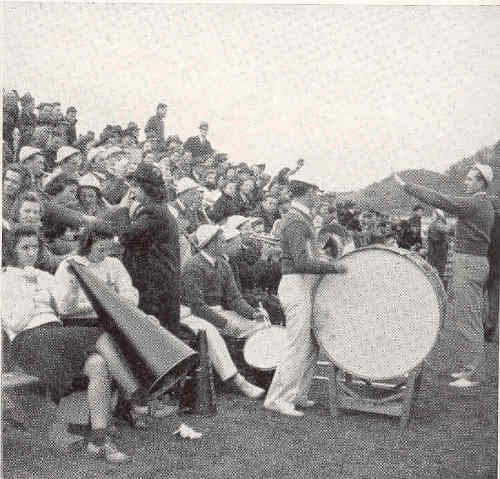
[28, 151]
[206, 233]
[65, 152]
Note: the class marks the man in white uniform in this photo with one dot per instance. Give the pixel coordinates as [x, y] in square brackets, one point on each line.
[301, 268]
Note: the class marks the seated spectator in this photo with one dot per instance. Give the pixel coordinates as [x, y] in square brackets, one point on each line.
[113, 186]
[58, 355]
[33, 160]
[189, 204]
[61, 240]
[228, 204]
[89, 196]
[283, 176]
[391, 240]
[60, 204]
[261, 276]
[268, 211]
[210, 290]
[68, 161]
[283, 208]
[410, 237]
[27, 210]
[246, 196]
[16, 179]
[63, 188]
[94, 251]
[219, 354]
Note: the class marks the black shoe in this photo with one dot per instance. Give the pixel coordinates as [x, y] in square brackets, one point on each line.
[127, 412]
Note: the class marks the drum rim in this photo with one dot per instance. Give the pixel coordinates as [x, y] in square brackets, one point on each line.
[273, 326]
[441, 306]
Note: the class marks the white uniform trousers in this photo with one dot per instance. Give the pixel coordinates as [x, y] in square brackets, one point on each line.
[216, 346]
[293, 376]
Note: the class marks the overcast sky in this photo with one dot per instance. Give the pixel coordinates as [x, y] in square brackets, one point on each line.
[352, 90]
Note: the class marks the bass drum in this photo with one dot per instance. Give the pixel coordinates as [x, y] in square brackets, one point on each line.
[382, 318]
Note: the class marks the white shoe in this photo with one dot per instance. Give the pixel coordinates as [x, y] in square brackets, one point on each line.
[286, 408]
[463, 383]
[108, 451]
[307, 404]
[248, 389]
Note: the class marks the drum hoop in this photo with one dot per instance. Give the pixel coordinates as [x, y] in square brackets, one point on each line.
[436, 283]
[259, 332]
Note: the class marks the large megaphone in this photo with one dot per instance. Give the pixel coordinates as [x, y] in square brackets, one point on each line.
[157, 358]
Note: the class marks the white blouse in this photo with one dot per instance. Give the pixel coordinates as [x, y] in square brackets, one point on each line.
[27, 299]
[74, 303]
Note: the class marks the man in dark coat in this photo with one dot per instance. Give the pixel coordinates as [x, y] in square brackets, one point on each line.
[151, 241]
[199, 145]
[27, 121]
[155, 127]
[69, 124]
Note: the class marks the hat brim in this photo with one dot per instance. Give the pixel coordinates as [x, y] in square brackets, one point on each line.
[209, 239]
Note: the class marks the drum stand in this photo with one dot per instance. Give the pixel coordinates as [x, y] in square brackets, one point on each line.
[395, 398]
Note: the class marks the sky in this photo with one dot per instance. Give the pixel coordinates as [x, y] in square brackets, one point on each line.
[354, 90]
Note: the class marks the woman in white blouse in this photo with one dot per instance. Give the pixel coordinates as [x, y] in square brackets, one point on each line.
[76, 310]
[93, 252]
[57, 355]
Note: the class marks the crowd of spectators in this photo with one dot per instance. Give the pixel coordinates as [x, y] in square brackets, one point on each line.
[63, 185]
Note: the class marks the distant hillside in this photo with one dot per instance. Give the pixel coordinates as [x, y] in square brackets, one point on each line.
[388, 197]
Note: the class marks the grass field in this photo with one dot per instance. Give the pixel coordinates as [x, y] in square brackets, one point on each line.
[453, 434]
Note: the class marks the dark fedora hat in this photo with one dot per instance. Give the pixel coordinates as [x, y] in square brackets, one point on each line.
[146, 173]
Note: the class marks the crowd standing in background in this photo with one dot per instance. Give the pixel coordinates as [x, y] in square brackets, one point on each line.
[187, 233]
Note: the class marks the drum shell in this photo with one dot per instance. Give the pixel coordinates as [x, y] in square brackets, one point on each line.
[347, 331]
[262, 375]
[157, 358]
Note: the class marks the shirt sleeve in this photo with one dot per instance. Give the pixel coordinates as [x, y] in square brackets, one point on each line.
[193, 297]
[232, 295]
[300, 250]
[461, 206]
[17, 307]
[123, 282]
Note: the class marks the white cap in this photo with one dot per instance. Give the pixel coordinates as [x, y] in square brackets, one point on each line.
[27, 151]
[230, 233]
[205, 233]
[112, 151]
[93, 152]
[90, 180]
[485, 171]
[186, 184]
[236, 221]
[65, 152]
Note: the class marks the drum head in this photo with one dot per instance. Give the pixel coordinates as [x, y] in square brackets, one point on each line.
[264, 349]
[381, 318]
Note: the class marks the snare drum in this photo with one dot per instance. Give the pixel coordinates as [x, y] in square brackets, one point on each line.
[382, 318]
[264, 349]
